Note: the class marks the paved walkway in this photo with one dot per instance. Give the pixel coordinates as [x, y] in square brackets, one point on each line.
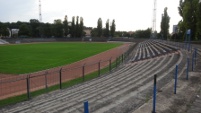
[196, 108]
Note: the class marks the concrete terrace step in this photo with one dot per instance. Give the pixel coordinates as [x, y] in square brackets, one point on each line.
[139, 86]
[108, 93]
[150, 49]
[3, 41]
[164, 103]
[104, 93]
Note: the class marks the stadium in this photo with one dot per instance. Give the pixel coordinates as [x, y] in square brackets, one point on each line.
[117, 79]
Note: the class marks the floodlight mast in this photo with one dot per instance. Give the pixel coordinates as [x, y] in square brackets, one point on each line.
[153, 35]
[40, 15]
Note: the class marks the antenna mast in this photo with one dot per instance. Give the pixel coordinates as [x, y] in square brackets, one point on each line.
[40, 15]
[154, 21]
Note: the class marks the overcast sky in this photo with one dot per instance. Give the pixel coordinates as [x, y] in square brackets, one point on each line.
[129, 15]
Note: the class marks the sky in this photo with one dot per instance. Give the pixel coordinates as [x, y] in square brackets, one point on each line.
[129, 15]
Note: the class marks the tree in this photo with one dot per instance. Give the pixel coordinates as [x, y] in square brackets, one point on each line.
[181, 30]
[189, 11]
[188, 17]
[58, 28]
[34, 24]
[46, 29]
[165, 24]
[94, 32]
[99, 27]
[142, 33]
[72, 28]
[180, 8]
[77, 27]
[113, 28]
[107, 31]
[14, 25]
[65, 26]
[81, 27]
[24, 30]
[3, 29]
[198, 23]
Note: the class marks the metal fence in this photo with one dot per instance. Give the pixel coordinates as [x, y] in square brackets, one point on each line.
[56, 78]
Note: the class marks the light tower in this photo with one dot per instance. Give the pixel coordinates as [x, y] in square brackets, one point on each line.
[40, 15]
[153, 35]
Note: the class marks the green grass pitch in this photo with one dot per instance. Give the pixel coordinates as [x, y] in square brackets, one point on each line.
[26, 58]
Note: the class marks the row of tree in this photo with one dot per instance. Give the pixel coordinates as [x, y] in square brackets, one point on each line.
[108, 31]
[134, 34]
[34, 28]
[190, 11]
[142, 33]
[74, 29]
[64, 28]
[59, 28]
